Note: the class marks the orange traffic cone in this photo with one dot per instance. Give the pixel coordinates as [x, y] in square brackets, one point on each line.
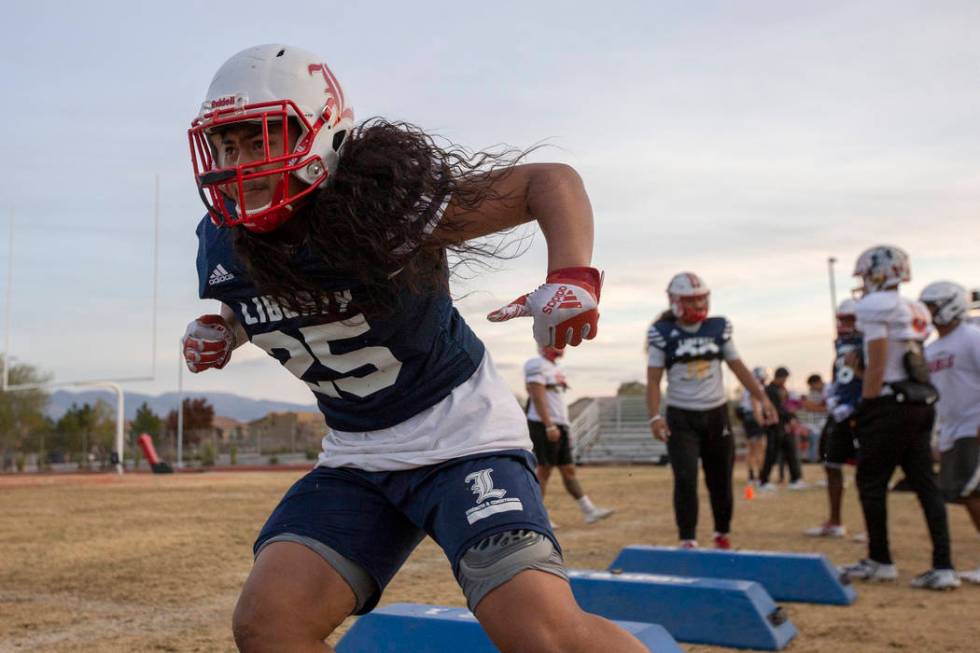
[749, 491]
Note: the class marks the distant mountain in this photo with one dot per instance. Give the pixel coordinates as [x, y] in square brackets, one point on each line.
[225, 404]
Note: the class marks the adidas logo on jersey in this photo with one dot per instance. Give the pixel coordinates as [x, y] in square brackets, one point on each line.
[219, 275]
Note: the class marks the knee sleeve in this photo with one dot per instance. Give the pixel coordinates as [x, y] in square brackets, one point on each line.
[363, 586]
[495, 560]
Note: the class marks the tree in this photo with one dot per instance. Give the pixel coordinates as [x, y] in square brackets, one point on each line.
[631, 388]
[87, 429]
[146, 421]
[198, 419]
[21, 411]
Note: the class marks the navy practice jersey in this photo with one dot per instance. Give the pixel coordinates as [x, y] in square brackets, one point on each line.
[682, 346]
[847, 384]
[365, 375]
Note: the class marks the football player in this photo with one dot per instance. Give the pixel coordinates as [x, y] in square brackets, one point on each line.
[954, 366]
[750, 412]
[325, 244]
[837, 441]
[893, 421]
[547, 420]
[781, 436]
[691, 346]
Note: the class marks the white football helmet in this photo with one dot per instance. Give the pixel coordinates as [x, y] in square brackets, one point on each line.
[846, 318]
[761, 374]
[688, 286]
[882, 267]
[947, 301]
[269, 86]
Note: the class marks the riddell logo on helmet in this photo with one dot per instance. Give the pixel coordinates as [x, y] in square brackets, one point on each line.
[563, 298]
[222, 102]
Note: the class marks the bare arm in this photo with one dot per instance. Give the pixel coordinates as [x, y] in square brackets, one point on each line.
[657, 426]
[536, 392]
[749, 382]
[874, 371]
[551, 193]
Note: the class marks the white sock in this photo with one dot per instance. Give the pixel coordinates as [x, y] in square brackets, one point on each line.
[586, 504]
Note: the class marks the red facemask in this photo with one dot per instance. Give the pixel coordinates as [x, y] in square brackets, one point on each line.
[691, 310]
[552, 354]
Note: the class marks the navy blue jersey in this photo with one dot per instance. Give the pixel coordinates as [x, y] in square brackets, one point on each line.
[366, 376]
[847, 384]
[680, 346]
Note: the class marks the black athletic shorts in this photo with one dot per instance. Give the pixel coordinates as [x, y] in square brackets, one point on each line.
[548, 453]
[753, 429]
[959, 470]
[837, 444]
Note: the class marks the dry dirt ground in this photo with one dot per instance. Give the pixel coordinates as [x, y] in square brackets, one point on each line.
[145, 563]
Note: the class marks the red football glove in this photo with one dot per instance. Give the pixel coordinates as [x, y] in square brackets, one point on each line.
[208, 342]
[565, 308]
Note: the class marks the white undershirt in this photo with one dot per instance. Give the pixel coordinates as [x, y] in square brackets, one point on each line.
[479, 416]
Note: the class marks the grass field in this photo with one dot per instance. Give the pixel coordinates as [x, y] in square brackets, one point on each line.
[148, 563]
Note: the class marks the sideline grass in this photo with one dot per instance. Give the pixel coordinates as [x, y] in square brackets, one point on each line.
[151, 563]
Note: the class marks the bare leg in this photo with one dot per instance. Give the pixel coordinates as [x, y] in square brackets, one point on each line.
[544, 473]
[572, 485]
[973, 509]
[835, 492]
[291, 601]
[556, 624]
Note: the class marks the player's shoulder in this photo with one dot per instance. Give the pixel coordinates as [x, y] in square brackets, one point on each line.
[213, 242]
[657, 333]
[969, 332]
[881, 306]
[720, 324]
[535, 365]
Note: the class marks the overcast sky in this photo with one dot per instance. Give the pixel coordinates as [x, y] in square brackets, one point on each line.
[745, 141]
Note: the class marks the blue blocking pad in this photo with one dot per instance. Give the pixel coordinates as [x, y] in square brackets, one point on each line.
[733, 613]
[801, 577]
[415, 628]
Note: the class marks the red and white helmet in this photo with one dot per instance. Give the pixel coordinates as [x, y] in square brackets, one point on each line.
[270, 85]
[846, 318]
[947, 301]
[687, 286]
[883, 267]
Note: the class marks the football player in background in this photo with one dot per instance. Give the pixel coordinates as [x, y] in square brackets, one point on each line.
[690, 346]
[750, 412]
[954, 366]
[547, 420]
[781, 436]
[894, 419]
[837, 441]
[973, 314]
[325, 244]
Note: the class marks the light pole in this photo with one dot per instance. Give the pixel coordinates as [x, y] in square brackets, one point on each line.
[833, 288]
[180, 405]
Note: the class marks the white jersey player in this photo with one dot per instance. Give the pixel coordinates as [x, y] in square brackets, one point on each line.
[893, 422]
[954, 366]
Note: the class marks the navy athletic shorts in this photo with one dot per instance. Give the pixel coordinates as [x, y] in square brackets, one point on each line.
[376, 519]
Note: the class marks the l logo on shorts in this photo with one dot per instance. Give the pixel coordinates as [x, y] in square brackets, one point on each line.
[482, 486]
[489, 500]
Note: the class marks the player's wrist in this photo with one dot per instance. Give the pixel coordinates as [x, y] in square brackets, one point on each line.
[655, 419]
[587, 277]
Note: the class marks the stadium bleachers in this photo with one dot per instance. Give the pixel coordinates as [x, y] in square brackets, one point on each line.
[614, 430]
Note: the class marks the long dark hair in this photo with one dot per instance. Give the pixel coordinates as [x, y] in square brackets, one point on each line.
[373, 223]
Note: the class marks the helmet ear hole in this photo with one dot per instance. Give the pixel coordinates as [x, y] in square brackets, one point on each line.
[339, 138]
